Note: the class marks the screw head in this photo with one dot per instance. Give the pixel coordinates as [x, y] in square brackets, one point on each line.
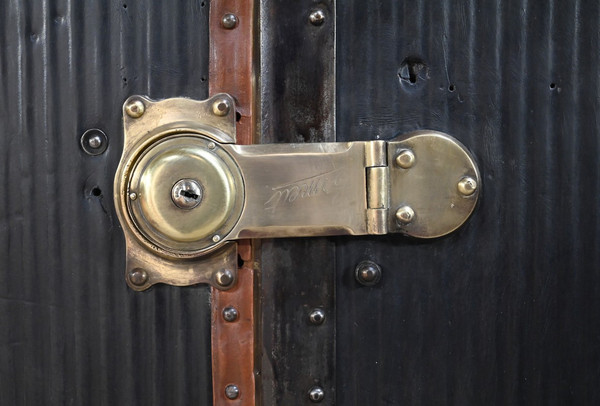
[367, 273]
[405, 159]
[186, 194]
[138, 276]
[230, 314]
[317, 316]
[405, 214]
[467, 186]
[232, 391]
[229, 21]
[216, 238]
[224, 277]
[135, 108]
[317, 17]
[132, 196]
[211, 145]
[316, 394]
[221, 107]
[94, 141]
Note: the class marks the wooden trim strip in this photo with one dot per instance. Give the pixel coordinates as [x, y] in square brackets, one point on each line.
[231, 71]
[233, 342]
[231, 60]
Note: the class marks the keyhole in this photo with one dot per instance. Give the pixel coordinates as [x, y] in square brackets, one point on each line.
[189, 194]
[186, 194]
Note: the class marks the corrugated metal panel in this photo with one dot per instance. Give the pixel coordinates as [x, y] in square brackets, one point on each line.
[71, 332]
[506, 310]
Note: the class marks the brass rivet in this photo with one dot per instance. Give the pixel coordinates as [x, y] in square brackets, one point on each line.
[229, 21]
[138, 277]
[135, 108]
[224, 277]
[211, 145]
[405, 214]
[133, 196]
[467, 186]
[405, 159]
[221, 107]
[216, 238]
[317, 17]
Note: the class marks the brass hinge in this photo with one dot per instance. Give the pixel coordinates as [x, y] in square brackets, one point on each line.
[184, 191]
[378, 187]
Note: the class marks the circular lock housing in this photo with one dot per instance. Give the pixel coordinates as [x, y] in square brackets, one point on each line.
[189, 194]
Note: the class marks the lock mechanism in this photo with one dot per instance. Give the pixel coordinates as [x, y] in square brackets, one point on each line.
[184, 192]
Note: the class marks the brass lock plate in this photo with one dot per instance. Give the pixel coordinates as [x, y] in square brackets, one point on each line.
[184, 191]
[188, 193]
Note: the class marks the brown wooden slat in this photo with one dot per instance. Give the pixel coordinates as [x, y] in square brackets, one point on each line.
[231, 59]
[230, 71]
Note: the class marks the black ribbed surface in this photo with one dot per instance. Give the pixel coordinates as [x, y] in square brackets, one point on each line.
[71, 332]
[507, 309]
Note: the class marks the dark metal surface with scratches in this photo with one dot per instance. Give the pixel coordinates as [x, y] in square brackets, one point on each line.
[506, 309]
[71, 332]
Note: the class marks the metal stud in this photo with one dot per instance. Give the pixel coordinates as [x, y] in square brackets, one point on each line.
[216, 238]
[405, 159]
[135, 108]
[316, 394]
[230, 314]
[94, 141]
[317, 316]
[367, 273]
[467, 186]
[221, 107]
[229, 21]
[317, 17]
[232, 392]
[405, 214]
[133, 196]
[138, 277]
[224, 277]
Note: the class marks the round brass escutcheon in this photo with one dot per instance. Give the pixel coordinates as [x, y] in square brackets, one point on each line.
[187, 192]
